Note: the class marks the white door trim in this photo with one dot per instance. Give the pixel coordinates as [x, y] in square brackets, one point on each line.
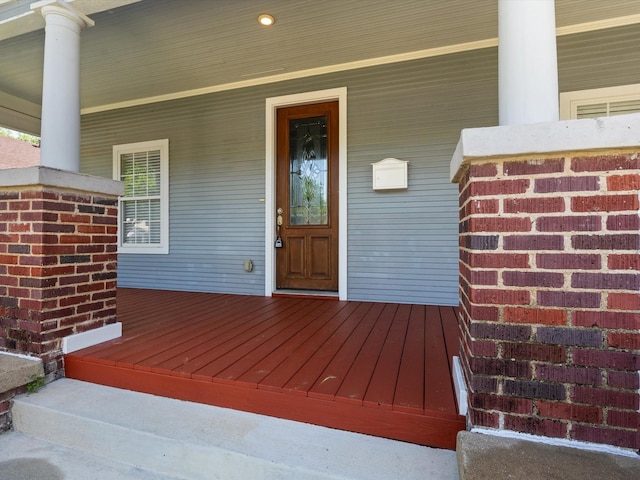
[272, 104]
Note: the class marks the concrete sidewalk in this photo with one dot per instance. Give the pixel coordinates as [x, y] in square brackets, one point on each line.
[77, 431]
[23, 457]
[487, 457]
[112, 428]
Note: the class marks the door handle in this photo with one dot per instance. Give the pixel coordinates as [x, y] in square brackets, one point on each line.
[278, 243]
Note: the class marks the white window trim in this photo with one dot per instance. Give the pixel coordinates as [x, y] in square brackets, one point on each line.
[163, 146]
[570, 101]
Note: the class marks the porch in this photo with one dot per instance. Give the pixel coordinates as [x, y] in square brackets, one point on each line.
[376, 368]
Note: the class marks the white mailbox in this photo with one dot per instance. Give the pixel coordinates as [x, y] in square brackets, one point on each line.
[390, 174]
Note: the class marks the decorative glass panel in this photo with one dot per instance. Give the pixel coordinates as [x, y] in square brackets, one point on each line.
[308, 171]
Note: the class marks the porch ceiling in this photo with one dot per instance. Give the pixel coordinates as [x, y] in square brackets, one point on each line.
[163, 47]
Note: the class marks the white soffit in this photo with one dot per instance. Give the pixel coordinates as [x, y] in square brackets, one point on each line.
[17, 16]
[432, 52]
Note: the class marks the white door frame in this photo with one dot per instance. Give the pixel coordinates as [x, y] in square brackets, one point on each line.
[272, 104]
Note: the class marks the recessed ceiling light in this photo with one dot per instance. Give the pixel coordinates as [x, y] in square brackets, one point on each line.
[266, 19]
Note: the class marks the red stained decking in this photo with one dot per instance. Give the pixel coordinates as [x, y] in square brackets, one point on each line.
[377, 368]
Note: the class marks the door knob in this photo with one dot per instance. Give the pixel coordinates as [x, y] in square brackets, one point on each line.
[278, 243]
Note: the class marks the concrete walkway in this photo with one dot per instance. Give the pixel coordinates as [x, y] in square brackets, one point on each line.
[106, 429]
[23, 457]
[74, 430]
[487, 457]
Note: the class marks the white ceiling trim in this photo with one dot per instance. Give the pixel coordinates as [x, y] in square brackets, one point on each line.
[402, 57]
[598, 25]
[20, 114]
[17, 17]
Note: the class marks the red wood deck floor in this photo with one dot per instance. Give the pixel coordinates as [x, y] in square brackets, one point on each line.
[376, 368]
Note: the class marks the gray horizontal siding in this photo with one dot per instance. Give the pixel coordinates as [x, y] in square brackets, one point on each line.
[599, 59]
[216, 182]
[402, 245]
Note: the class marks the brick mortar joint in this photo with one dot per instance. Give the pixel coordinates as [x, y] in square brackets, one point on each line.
[567, 272]
[570, 322]
[566, 172]
[50, 190]
[566, 421]
[605, 409]
[568, 400]
[601, 190]
[604, 348]
[565, 156]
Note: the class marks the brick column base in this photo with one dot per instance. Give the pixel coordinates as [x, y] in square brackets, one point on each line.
[58, 234]
[550, 294]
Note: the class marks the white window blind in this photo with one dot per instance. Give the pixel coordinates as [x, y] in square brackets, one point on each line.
[600, 102]
[143, 211]
[608, 109]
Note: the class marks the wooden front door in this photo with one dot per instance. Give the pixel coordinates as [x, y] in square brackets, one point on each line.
[307, 197]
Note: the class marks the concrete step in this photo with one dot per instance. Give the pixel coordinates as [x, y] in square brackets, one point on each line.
[192, 441]
[23, 457]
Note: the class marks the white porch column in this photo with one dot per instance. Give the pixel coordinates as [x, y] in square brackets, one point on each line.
[60, 124]
[527, 62]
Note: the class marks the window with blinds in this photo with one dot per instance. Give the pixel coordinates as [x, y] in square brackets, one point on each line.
[608, 109]
[600, 102]
[143, 209]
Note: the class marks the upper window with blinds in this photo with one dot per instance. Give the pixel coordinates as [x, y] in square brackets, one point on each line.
[143, 212]
[600, 102]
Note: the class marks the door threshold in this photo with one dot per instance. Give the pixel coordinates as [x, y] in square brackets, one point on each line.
[307, 294]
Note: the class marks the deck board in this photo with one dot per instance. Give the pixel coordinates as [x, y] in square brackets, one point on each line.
[358, 378]
[151, 338]
[342, 363]
[301, 357]
[285, 357]
[250, 340]
[437, 381]
[312, 369]
[410, 383]
[256, 356]
[224, 341]
[451, 331]
[197, 353]
[381, 391]
[377, 368]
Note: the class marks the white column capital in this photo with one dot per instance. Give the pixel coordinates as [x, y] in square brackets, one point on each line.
[60, 8]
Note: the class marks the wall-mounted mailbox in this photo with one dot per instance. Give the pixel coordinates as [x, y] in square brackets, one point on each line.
[390, 174]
